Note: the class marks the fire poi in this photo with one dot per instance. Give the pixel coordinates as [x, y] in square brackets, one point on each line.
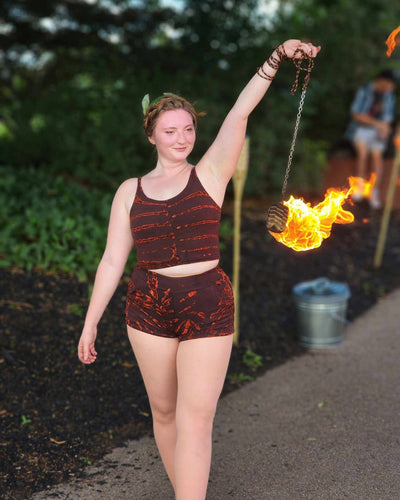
[278, 213]
[308, 226]
[295, 223]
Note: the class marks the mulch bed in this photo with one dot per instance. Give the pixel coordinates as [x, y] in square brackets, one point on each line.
[58, 415]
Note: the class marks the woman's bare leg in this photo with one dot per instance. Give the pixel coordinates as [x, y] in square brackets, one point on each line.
[201, 368]
[156, 357]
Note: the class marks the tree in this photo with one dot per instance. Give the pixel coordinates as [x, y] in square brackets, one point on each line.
[213, 31]
[55, 34]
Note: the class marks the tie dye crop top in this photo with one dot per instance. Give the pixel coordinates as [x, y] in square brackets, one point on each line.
[181, 230]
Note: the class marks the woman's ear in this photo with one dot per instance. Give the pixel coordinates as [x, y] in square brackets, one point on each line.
[151, 139]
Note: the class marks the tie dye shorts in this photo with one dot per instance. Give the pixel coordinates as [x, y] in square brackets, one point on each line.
[185, 308]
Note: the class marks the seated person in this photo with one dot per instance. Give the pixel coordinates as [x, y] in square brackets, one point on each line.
[372, 112]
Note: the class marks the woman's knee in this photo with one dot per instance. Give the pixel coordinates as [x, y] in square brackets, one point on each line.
[163, 412]
[195, 419]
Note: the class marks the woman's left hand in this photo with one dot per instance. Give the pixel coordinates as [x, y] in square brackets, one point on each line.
[295, 49]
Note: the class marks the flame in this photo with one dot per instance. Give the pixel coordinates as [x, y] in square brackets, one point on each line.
[392, 40]
[362, 187]
[308, 226]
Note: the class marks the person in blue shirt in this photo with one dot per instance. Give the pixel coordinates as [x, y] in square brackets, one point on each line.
[372, 112]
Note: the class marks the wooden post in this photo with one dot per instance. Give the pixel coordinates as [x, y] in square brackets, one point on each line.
[380, 247]
[239, 179]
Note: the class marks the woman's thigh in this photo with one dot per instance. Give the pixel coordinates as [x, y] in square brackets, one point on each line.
[156, 357]
[201, 369]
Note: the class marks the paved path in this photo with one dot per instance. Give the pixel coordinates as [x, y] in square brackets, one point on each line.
[325, 425]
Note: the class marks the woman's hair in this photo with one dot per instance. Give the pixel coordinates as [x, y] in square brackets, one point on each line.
[167, 103]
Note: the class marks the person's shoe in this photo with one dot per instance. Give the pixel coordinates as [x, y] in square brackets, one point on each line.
[375, 201]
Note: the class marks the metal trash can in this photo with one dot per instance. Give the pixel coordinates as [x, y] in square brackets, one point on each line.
[321, 312]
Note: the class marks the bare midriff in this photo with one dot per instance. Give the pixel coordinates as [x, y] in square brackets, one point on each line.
[187, 269]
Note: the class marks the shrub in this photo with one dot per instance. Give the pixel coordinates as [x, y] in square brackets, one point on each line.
[50, 223]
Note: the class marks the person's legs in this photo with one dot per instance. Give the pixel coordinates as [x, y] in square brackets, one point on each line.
[362, 157]
[156, 357]
[361, 167]
[377, 165]
[377, 168]
[201, 369]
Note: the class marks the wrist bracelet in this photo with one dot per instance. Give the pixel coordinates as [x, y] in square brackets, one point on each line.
[263, 74]
[273, 62]
[280, 50]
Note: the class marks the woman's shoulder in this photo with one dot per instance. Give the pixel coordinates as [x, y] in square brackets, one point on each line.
[127, 187]
[129, 184]
[126, 192]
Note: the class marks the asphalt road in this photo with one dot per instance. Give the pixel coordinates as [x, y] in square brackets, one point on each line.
[322, 426]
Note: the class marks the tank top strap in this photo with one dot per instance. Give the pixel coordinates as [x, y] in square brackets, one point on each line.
[139, 186]
[193, 179]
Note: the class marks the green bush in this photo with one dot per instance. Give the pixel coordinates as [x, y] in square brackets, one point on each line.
[84, 127]
[50, 223]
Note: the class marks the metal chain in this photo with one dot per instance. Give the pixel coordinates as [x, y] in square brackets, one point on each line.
[301, 104]
[291, 152]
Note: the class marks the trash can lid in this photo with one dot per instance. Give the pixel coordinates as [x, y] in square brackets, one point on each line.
[321, 290]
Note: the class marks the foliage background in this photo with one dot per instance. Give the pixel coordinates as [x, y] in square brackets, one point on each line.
[74, 73]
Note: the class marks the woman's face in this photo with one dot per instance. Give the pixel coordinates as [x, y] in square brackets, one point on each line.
[174, 134]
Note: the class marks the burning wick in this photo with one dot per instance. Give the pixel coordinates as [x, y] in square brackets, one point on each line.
[308, 226]
[393, 40]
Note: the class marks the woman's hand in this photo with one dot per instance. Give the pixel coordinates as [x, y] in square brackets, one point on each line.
[294, 49]
[86, 350]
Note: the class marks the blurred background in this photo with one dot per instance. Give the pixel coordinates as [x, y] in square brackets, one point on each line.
[74, 72]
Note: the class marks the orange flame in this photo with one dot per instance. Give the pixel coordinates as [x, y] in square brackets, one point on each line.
[308, 226]
[362, 187]
[393, 40]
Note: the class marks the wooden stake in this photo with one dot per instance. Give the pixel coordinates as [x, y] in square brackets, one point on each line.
[380, 247]
[239, 179]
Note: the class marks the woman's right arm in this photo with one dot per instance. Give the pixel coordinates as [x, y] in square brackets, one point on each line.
[110, 269]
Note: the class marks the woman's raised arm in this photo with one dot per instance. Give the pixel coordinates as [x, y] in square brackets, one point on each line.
[222, 156]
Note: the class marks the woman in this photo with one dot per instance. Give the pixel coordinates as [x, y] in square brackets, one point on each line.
[179, 304]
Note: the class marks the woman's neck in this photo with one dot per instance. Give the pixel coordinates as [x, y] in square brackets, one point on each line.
[170, 169]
